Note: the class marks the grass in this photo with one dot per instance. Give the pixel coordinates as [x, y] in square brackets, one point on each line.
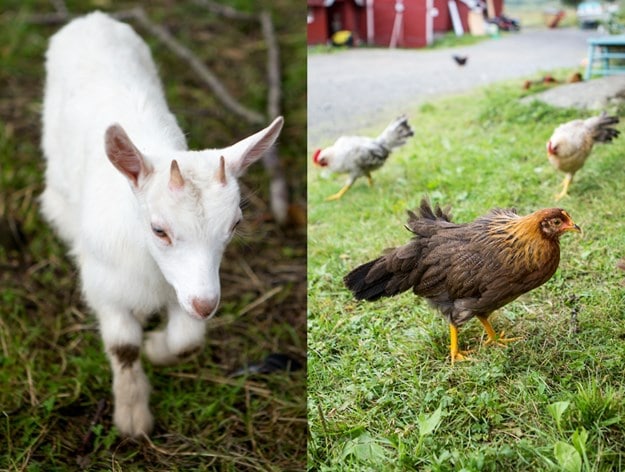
[382, 394]
[535, 16]
[450, 40]
[55, 393]
[446, 40]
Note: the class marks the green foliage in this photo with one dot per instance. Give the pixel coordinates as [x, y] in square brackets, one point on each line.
[571, 3]
[366, 449]
[553, 401]
[567, 456]
[556, 410]
[615, 23]
[427, 424]
[579, 440]
[450, 40]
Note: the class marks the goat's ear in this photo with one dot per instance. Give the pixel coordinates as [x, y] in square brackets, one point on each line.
[124, 155]
[240, 155]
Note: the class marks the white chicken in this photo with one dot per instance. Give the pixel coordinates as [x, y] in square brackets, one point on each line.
[571, 143]
[360, 155]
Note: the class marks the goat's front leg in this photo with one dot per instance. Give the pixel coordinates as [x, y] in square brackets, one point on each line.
[183, 336]
[122, 335]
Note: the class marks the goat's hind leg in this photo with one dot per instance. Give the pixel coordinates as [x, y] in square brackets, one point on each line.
[122, 335]
[182, 337]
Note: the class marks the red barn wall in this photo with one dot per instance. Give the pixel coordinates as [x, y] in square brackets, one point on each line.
[413, 23]
[347, 15]
[464, 10]
[498, 7]
[442, 22]
[341, 15]
[318, 30]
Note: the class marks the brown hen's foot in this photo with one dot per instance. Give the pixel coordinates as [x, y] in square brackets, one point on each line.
[494, 338]
[461, 356]
[500, 340]
[456, 354]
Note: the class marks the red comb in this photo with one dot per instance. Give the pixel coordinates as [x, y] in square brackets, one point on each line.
[316, 156]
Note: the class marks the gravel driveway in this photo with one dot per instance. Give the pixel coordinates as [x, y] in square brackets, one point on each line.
[363, 88]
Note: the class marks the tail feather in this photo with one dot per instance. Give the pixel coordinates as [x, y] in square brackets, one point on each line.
[363, 288]
[378, 278]
[602, 133]
[386, 276]
[421, 224]
[397, 133]
[436, 213]
[605, 135]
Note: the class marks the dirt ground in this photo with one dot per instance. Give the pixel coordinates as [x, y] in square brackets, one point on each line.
[360, 88]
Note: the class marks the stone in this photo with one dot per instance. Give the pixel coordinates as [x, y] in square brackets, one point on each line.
[593, 94]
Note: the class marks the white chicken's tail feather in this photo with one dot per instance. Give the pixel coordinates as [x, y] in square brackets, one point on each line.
[602, 133]
[396, 134]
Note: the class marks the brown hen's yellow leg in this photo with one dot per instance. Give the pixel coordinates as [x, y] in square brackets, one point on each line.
[456, 354]
[499, 340]
[340, 193]
[565, 186]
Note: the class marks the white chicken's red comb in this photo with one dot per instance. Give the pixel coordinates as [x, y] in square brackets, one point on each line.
[316, 156]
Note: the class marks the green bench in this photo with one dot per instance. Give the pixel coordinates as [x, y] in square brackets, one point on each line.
[601, 51]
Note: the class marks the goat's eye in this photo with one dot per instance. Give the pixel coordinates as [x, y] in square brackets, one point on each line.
[160, 233]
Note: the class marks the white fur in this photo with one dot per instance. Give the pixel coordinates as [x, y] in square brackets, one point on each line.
[104, 199]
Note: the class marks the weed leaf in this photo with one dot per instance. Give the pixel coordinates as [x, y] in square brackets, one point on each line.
[567, 456]
[579, 439]
[427, 424]
[366, 448]
[557, 409]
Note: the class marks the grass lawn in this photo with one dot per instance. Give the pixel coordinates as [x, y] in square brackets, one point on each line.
[540, 13]
[55, 381]
[382, 394]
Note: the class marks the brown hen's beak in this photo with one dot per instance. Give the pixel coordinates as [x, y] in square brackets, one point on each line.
[573, 227]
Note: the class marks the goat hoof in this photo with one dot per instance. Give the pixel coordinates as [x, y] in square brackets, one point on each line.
[134, 422]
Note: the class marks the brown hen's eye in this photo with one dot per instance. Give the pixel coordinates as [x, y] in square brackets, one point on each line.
[557, 221]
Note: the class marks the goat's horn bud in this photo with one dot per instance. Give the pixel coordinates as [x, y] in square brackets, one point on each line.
[220, 176]
[175, 177]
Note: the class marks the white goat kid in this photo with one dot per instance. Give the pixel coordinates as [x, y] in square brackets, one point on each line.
[146, 219]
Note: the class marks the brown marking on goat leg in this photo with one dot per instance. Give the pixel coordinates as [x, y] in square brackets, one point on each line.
[189, 352]
[126, 354]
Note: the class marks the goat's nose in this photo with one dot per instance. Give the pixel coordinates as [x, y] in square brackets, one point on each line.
[205, 306]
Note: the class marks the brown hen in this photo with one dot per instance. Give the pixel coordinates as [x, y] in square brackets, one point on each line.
[571, 143]
[467, 270]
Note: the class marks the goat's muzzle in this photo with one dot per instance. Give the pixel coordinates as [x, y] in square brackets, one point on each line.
[205, 307]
